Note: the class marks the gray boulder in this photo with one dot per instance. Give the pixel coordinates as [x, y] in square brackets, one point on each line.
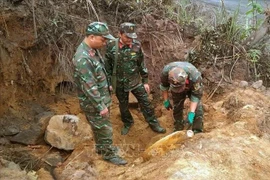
[67, 131]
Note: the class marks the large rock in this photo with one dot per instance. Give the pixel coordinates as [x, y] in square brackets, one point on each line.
[67, 131]
[257, 84]
[79, 165]
[9, 130]
[10, 170]
[35, 134]
[43, 174]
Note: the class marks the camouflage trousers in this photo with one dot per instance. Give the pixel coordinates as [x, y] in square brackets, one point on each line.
[178, 107]
[102, 131]
[144, 103]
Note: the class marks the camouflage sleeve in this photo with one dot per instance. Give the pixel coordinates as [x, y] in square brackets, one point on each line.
[197, 90]
[142, 68]
[86, 74]
[109, 61]
[164, 83]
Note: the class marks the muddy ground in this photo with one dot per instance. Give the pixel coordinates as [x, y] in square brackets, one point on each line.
[35, 79]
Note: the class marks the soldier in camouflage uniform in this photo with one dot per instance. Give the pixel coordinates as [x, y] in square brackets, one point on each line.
[93, 89]
[183, 80]
[131, 75]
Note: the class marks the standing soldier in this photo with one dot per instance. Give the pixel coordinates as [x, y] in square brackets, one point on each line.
[126, 68]
[93, 89]
[183, 80]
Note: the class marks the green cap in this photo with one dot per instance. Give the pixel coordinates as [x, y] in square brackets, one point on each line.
[99, 29]
[128, 29]
[177, 79]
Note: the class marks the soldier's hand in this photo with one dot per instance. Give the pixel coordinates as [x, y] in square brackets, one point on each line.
[111, 88]
[147, 88]
[104, 112]
[167, 104]
[190, 117]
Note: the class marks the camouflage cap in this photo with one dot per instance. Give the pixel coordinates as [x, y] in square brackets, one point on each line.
[177, 79]
[99, 29]
[128, 29]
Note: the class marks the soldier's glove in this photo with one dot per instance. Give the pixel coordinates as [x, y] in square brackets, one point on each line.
[167, 104]
[190, 117]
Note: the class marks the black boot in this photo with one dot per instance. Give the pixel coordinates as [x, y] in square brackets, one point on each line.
[196, 131]
[157, 128]
[126, 129]
[198, 125]
[178, 126]
[109, 153]
[117, 160]
[111, 149]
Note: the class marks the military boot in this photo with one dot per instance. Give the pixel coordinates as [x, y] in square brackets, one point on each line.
[111, 149]
[117, 160]
[178, 126]
[196, 131]
[126, 129]
[157, 128]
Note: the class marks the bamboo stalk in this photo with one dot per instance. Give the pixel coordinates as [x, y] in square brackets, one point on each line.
[34, 18]
[93, 8]
[6, 27]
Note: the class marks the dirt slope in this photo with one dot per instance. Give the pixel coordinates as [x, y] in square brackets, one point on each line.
[234, 143]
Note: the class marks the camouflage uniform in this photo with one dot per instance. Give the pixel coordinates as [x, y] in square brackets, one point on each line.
[131, 74]
[94, 95]
[193, 90]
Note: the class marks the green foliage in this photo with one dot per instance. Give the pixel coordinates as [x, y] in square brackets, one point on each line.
[251, 15]
[219, 29]
[131, 11]
[255, 8]
[180, 12]
[216, 44]
[233, 28]
[254, 55]
[154, 2]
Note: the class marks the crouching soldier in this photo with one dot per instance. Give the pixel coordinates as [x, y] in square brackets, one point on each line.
[183, 80]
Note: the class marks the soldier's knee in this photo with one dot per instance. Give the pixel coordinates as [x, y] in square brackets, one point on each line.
[199, 111]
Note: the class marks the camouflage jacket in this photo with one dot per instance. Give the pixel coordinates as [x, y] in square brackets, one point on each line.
[91, 79]
[194, 82]
[130, 69]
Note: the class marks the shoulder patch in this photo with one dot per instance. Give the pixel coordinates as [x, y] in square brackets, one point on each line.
[136, 47]
[111, 44]
[92, 53]
[197, 86]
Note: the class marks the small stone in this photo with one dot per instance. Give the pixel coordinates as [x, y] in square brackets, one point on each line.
[243, 84]
[78, 174]
[257, 84]
[138, 161]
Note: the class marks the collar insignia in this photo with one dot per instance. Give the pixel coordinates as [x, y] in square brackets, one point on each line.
[92, 52]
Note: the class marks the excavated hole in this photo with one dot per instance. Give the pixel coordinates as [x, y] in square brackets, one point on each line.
[65, 87]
